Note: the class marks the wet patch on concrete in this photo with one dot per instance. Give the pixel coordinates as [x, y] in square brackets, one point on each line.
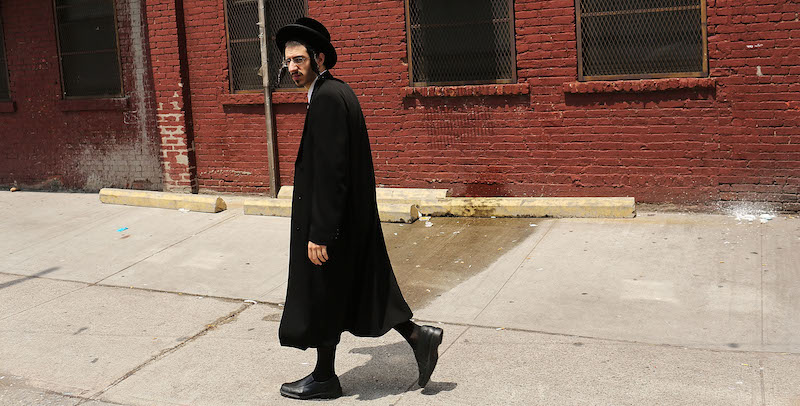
[429, 261]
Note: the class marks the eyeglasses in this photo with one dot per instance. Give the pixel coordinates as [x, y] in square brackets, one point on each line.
[298, 60]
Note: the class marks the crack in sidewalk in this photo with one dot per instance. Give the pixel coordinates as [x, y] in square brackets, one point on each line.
[230, 317]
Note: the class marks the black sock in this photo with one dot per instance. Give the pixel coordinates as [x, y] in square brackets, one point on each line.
[410, 331]
[325, 360]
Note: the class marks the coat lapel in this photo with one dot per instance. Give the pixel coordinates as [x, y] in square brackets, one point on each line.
[317, 86]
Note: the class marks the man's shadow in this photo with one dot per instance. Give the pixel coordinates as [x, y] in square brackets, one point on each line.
[391, 370]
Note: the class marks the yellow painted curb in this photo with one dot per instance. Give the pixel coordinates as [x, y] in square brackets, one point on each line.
[589, 207]
[163, 200]
[268, 207]
[395, 195]
[398, 212]
[392, 213]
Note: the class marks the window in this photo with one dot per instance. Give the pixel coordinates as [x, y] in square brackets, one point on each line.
[87, 46]
[4, 93]
[244, 50]
[641, 39]
[453, 42]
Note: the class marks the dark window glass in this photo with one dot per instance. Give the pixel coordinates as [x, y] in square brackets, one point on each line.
[87, 39]
[244, 50]
[641, 38]
[461, 42]
[4, 92]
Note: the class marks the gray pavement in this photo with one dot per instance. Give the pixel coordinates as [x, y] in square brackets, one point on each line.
[108, 305]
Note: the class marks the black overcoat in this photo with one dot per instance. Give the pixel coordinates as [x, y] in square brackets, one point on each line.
[334, 204]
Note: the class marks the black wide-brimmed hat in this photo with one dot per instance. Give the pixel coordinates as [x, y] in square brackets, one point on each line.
[311, 32]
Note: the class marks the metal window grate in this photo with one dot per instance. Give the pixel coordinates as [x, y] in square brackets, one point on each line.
[244, 52]
[461, 42]
[87, 43]
[4, 91]
[641, 39]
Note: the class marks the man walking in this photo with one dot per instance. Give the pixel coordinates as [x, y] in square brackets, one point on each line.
[340, 276]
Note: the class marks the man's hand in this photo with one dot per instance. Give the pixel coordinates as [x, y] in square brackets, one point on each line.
[317, 253]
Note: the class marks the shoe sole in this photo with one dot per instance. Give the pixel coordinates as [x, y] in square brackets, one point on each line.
[324, 395]
[433, 357]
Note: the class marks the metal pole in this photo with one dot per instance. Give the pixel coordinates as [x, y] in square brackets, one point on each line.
[272, 150]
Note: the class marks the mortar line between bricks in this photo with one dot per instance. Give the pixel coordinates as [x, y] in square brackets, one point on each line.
[552, 224]
[202, 230]
[164, 353]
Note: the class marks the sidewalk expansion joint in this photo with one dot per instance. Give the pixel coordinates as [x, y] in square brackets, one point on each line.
[228, 318]
[609, 340]
[544, 234]
[441, 354]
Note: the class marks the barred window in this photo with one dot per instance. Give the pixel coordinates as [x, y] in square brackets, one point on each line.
[88, 50]
[641, 39]
[452, 42]
[244, 50]
[4, 93]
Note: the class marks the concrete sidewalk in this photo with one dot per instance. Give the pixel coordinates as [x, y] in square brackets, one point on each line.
[104, 304]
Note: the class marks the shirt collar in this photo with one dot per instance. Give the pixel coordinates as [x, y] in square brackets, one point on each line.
[314, 83]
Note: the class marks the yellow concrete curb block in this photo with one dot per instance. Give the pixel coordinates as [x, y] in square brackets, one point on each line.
[392, 213]
[590, 207]
[398, 195]
[268, 207]
[163, 200]
[398, 212]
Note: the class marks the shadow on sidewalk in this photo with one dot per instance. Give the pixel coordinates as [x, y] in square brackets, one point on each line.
[25, 278]
[389, 371]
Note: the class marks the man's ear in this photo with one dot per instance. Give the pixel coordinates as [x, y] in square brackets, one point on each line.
[321, 59]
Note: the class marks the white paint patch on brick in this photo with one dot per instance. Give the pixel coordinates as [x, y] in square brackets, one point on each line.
[167, 116]
[116, 164]
[171, 129]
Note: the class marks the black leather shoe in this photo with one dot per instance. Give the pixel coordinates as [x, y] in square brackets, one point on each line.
[427, 352]
[308, 388]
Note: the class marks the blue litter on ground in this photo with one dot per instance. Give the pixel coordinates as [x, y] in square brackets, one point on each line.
[122, 229]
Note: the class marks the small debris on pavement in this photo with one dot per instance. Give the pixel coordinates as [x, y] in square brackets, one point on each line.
[122, 229]
[13, 189]
[500, 328]
[183, 210]
[533, 225]
[428, 224]
[250, 301]
[424, 218]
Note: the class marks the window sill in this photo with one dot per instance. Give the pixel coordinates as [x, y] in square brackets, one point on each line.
[8, 107]
[118, 104]
[512, 89]
[290, 97]
[638, 86]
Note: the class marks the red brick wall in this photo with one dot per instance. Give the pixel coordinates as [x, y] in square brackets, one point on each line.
[167, 40]
[732, 136]
[47, 142]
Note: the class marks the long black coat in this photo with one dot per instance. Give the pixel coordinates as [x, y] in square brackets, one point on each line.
[334, 204]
